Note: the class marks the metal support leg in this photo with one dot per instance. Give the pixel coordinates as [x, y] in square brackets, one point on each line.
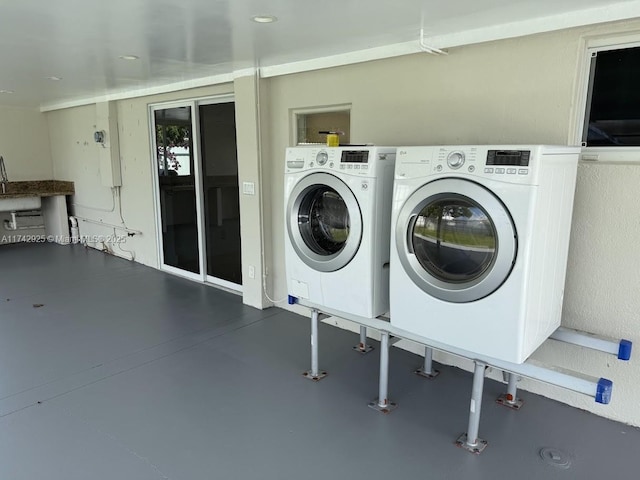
[510, 399]
[362, 347]
[382, 403]
[314, 373]
[427, 370]
[470, 441]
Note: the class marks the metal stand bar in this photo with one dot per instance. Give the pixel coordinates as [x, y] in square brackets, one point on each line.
[314, 373]
[382, 403]
[470, 440]
[510, 399]
[427, 371]
[598, 388]
[619, 348]
[362, 347]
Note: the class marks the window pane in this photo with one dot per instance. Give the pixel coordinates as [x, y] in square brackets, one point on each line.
[614, 115]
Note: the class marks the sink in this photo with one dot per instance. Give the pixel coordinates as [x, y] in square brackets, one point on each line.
[20, 203]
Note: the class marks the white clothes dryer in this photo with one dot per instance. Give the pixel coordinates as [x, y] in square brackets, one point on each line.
[480, 236]
[338, 216]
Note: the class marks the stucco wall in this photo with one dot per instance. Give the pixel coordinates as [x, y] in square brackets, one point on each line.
[512, 91]
[24, 145]
[76, 157]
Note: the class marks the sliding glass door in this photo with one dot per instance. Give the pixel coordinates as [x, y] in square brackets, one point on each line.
[197, 195]
[221, 192]
[177, 188]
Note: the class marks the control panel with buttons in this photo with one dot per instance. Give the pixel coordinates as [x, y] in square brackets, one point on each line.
[506, 164]
[358, 161]
[452, 159]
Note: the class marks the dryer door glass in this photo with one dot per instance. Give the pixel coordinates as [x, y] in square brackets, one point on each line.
[323, 220]
[454, 239]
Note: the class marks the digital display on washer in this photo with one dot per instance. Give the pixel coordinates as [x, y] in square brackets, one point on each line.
[355, 156]
[518, 158]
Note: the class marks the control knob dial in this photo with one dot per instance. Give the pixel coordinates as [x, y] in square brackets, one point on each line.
[322, 157]
[455, 159]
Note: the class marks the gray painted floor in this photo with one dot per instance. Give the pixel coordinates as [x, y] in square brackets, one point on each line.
[111, 370]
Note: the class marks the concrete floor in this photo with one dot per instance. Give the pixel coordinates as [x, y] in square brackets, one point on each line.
[111, 370]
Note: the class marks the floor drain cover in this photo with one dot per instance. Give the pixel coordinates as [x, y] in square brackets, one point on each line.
[555, 457]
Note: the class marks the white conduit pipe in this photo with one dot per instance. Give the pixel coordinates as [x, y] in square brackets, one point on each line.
[12, 225]
[75, 230]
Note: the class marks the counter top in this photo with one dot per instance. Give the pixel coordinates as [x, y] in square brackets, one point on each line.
[38, 188]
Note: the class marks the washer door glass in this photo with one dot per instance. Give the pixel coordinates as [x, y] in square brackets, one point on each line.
[454, 239]
[324, 222]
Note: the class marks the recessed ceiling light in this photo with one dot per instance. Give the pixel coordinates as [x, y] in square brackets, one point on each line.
[129, 57]
[264, 19]
[6, 91]
[53, 78]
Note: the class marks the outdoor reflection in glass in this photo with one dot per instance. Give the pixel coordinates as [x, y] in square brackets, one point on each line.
[323, 220]
[454, 240]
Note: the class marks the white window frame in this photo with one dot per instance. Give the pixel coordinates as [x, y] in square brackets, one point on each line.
[624, 155]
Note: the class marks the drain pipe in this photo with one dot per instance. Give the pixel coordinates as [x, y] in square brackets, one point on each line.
[12, 225]
[75, 230]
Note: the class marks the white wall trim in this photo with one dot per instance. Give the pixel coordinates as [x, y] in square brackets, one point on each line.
[142, 92]
[245, 72]
[358, 56]
[591, 16]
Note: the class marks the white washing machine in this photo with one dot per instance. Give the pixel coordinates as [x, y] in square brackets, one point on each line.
[480, 236]
[338, 216]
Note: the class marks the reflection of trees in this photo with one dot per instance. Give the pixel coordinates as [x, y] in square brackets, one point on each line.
[440, 211]
[444, 210]
[167, 138]
[459, 223]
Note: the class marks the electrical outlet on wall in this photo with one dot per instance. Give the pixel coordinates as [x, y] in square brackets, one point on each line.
[252, 271]
[248, 188]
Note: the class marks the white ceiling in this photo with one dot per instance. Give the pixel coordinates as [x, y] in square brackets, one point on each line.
[183, 43]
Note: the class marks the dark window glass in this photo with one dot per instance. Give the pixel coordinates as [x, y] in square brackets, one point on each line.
[613, 105]
[323, 219]
[454, 240]
[177, 182]
[221, 191]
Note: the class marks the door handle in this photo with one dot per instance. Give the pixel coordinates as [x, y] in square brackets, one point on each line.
[409, 232]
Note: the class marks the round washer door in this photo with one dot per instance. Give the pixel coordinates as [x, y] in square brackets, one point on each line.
[456, 240]
[324, 222]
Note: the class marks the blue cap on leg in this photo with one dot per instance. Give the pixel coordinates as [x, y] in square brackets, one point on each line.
[603, 393]
[624, 350]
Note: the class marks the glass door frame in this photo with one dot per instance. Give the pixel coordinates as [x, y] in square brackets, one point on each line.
[209, 278]
[199, 189]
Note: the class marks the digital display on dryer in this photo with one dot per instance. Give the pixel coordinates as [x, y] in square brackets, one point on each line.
[355, 156]
[519, 158]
